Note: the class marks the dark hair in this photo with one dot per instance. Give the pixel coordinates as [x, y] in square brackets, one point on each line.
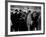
[20, 10]
[16, 10]
[29, 11]
[11, 13]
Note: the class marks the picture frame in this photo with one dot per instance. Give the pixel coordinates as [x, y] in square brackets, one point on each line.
[22, 3]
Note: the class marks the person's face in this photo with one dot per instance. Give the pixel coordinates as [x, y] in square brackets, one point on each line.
[34, 15]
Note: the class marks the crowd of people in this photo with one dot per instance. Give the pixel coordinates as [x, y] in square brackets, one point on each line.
[19, 20]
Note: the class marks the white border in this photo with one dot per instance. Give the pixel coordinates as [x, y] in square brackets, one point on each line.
[25, 32]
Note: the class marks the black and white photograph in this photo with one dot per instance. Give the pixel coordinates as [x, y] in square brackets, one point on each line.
[25, 18]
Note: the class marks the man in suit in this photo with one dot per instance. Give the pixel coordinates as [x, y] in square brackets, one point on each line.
[22, 22]
[14, 19]
[35, 17]
[19, 24]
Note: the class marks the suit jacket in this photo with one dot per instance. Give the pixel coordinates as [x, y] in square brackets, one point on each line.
[18, 25]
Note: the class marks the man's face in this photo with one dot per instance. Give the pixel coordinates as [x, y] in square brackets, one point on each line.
[34, 14]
